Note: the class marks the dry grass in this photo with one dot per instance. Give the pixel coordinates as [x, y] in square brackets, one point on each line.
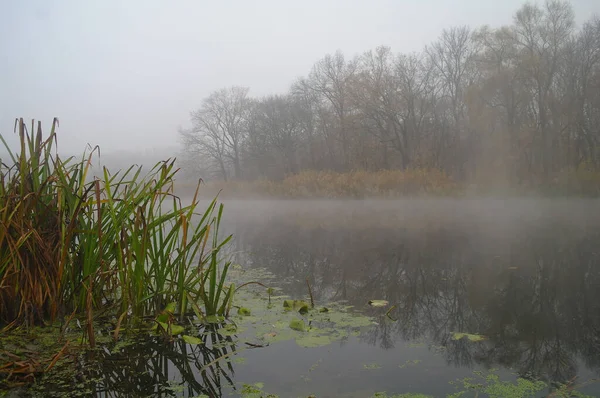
[583, 181]
[327, 184]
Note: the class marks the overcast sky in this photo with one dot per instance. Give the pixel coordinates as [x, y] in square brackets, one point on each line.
[126, 73]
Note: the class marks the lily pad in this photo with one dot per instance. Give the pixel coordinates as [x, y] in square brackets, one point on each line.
[192, 340]
[378, 303]
[409, 363]
[244, 311]
[314, 341]
[299, 305]
[271, 323]
[297, 324]
[471, 337]
[214, 319]
[372, 366]
[228, 330]
[303, 310]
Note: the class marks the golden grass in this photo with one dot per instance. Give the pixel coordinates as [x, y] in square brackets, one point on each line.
[328, 184]
[582, 181]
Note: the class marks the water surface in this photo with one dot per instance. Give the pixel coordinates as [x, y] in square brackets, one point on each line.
[523, 273]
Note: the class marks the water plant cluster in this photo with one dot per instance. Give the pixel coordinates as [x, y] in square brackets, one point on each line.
[76, 246]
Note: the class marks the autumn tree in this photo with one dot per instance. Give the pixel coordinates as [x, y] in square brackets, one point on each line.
[518, 104]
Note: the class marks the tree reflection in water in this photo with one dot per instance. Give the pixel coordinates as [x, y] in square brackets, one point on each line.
[533, 290]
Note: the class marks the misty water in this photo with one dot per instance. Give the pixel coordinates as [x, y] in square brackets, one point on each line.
[523, 273]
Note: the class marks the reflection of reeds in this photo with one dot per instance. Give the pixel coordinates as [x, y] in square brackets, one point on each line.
[72, 243]
[149, 366]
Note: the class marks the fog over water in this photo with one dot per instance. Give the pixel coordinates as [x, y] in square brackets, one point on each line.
[522, 272]
[457, 144]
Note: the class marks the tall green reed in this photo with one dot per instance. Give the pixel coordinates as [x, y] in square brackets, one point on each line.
[72, 243]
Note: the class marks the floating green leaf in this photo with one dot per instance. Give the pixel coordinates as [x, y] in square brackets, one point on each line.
[244, 311]
[228, 330]
[255, 391]
[378, 303]
[214, 319]
[471, 337]
[295, 305]
[315, 341]
[297, 324]
[288, 304]
[191, 340]
[409, 363]
[303, 310]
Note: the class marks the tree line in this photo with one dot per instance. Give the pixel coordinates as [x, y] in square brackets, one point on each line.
[518, 103]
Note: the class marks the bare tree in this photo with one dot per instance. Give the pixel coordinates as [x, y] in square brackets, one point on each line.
[220, 127]
[307, 101]
[541, 34]
[277, 120]
[578, 87]
[519, 101]
[452, 57]
[331, 78]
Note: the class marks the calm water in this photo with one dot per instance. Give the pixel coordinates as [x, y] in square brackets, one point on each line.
[523, 273]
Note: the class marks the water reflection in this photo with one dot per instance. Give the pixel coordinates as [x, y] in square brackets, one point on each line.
[154, 366]
[531, 286]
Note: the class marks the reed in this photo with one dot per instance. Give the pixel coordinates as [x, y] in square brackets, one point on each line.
[329, 184]
[70, 242]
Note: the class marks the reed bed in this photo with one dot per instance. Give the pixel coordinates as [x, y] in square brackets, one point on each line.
[76, 245]
[328, 184]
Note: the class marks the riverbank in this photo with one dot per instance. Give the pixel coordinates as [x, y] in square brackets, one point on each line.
[583, 182]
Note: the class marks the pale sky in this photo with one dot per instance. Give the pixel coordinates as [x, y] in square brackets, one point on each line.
[125, 74]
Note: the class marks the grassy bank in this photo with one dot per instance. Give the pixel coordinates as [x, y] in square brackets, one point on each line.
[327, 184]
[581, 182]
[76, 247]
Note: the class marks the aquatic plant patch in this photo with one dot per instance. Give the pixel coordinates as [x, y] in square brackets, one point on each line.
[471, 337]
[283, 318]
